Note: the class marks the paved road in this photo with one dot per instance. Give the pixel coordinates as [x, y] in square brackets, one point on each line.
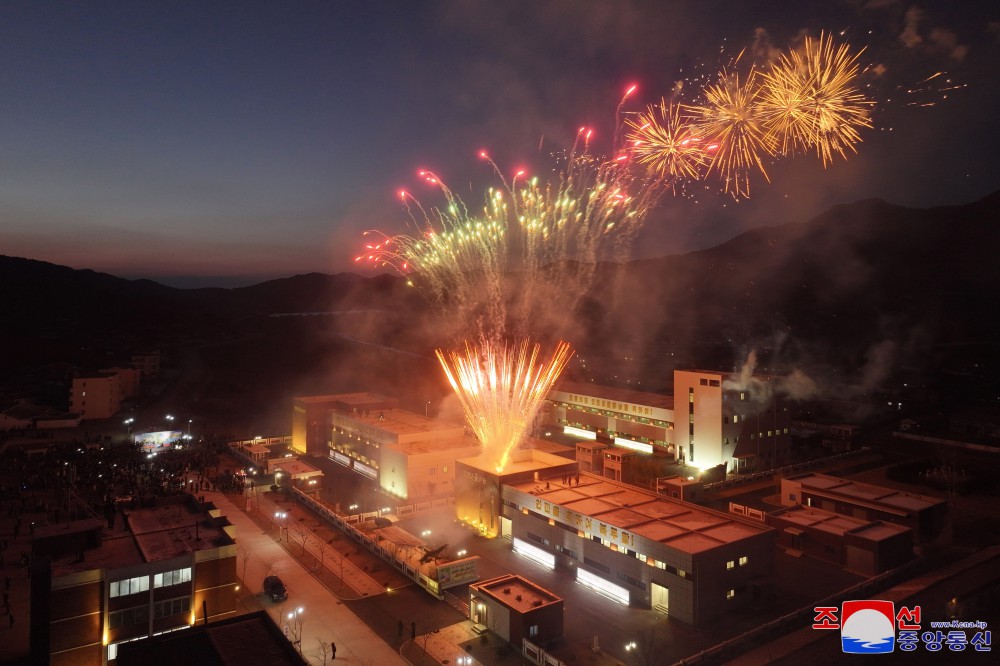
[325, 618]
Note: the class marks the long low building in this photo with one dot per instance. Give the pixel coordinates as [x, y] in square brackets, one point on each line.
[632, 545]
[924, 514]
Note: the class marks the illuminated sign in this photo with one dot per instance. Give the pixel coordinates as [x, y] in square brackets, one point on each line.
[534, 553]
[458, 572]
[579, 432]
[158, 441]
[635, 446]
[340, 458]
[365, 470]
[602, 587]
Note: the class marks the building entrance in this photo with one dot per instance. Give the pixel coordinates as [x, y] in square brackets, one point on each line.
[661, 598]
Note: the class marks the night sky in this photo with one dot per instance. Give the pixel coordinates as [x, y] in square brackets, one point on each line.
[259, 139]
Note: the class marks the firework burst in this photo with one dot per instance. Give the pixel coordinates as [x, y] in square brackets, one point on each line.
[501, 388]
[733, 127]
[810, 99]
[664, 140]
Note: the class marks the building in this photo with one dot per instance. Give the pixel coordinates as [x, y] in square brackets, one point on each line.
[626, 418]
[246, 639]
[629, 544]
[514, 608]
[311, 420]
[159, 570]
[128, 381]
[291, 471]
[924, 514]
[407, 455]
[148, 365]
[712, 420]
[96, 396]
[860, 546]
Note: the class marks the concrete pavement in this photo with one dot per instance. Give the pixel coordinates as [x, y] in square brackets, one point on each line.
[324, 618]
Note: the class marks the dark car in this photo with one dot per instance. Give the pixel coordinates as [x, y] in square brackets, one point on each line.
[274, 589]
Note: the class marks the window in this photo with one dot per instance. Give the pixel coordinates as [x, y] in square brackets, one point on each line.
[444, 469]
[171, 607]
[128, 617]
[533, 630]
[730, 565]
[744, 560]
[736, 418]
[432, 471]
[122, 588]
[743, 395]
[713, 382]
[175, 577]
[703, 381]
[730, 594]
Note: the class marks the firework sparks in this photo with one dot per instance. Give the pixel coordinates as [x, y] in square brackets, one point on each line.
[500, 265]
[811, 101]
[501, 388]
[663, 139]
[807, 100]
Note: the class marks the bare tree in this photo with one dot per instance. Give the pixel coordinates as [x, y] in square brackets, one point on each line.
[323, 653]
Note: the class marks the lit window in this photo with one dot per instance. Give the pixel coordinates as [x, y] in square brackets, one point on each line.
[174, 577]
[730, 594]
[730, 564]
[744, 560]
[533, 630]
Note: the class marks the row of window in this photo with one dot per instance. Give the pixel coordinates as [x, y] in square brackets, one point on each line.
[175, 577]
[123, 588]
[171, 607]
[128, 617]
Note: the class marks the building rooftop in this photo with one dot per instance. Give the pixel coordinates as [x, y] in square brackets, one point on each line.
[431, 445]
[155, 533]
[618, 394]
[404, 424]
[867, 492]
[297, 468]
[516, 592]
[839, 524]
[346, 398]
[521, 460]
[680, 525]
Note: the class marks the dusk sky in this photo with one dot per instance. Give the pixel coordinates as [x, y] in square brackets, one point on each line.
[260, 139]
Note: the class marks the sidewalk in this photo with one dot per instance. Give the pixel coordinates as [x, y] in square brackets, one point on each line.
[325, 619]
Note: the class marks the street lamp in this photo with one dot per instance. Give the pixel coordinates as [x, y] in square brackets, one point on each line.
[295, 619]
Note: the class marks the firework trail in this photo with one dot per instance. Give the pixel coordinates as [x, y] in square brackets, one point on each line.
[501, 389]
[532, 244]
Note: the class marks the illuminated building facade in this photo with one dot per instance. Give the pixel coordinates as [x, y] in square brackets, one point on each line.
[154, 574]
[707, 422]
[640, 548]
[311, 421]
[407, 455]
[514, 608]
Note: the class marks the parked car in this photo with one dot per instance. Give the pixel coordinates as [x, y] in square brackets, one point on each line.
[274, 589]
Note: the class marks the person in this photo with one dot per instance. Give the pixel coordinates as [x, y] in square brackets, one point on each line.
[333, 650]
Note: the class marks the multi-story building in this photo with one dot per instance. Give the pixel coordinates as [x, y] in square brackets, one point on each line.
[710, 420]
[96, 396]
[95, 588]
[311, 416]
[128, 381]
[147, 364]
[407, 455]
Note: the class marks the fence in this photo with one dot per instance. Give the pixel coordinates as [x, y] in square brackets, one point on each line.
[783, 471]
[802, 617]
[539, 656]
[456, 602]
[346, 524]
